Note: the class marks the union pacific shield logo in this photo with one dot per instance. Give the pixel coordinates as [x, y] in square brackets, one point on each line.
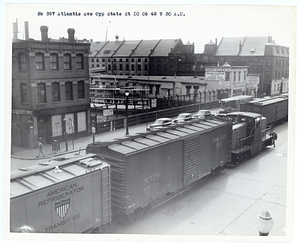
[62, 208]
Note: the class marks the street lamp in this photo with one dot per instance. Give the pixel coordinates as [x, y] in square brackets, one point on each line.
[282, 79]
[126, 95]
[72, 126]
[264, 223]
[66, 134]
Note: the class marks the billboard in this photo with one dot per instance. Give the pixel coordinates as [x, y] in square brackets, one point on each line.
[214, 75]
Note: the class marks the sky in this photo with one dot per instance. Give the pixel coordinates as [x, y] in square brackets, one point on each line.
[198, 24]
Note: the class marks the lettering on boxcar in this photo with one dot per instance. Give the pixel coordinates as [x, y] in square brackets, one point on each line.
[218, 140]
[151, 183]
[60, 193]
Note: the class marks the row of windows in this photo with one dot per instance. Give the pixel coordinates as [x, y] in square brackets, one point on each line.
[55, 90]
[120, 60]
[237, 75]
[283, 49]
[54, 64]
[234, 60]
[278, 87]
[279, 75]
[280, 62]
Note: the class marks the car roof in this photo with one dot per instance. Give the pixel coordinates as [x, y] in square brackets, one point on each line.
[163, 119]
[184, 114]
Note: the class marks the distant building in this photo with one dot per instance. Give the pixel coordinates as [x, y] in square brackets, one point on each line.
[162, 57]
[229, 77]
[266, 60]
[50, 89]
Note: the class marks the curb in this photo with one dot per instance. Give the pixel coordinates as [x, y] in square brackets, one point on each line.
[47, 157]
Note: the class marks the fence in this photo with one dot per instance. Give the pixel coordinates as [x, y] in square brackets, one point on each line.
[149, 116]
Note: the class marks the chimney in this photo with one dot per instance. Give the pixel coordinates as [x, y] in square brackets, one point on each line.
[26, 30]
[15, 30]
[240, 47]
[216, 45]
[71, 33]
[44, 32]
[269, 38]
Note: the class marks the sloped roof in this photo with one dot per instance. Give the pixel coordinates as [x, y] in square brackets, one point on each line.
[126, 48]
[254, 46]
[109, 48]
[144, 48]
[95, 47]
[164, 47]
[229, 46]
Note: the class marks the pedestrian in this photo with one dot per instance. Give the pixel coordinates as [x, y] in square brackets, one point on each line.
[40, 148]
[274, 137]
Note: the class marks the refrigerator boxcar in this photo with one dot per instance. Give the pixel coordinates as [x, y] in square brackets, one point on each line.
[150, 167]
[72, 196]
[274, 109]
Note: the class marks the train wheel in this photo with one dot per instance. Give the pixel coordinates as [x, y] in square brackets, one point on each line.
[247, 154]
[140, 212]
[216, 171]
[123, 219]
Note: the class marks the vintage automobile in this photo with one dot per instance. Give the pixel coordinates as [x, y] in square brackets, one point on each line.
[160, 123]
[181, 118]
[202, 114]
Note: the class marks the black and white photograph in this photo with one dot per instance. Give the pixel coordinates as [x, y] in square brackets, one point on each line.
[149, 122]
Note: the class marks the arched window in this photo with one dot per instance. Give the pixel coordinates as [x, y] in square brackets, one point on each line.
[69, 90]
[41, 92]
[79, 61]
[39, 61]
[53, 61]
[22, 62]
[80, 89]
[55, 92]
[67, 61]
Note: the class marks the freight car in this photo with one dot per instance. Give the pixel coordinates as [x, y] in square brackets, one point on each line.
[151, 167]
[233, 104]
[275, 109]
[71, 196]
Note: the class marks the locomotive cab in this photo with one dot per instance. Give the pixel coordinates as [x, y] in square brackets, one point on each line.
[252, 133]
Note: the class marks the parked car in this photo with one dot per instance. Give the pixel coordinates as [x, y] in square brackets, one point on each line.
[202, 114]
[160, 123]
[181, 118]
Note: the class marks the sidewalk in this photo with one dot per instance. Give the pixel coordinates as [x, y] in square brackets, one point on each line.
[79, 144]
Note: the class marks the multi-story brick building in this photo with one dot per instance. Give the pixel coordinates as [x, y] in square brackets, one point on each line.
[266, 60]
[162, 57]
[50, 89]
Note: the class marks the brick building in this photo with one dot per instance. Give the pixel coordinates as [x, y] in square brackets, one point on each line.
[265, 59]
[162, 57]
[50, 89]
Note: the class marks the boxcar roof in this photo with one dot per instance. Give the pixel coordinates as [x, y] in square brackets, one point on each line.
[268, 101]
[152, 139]
[245, 114]
[38, 177]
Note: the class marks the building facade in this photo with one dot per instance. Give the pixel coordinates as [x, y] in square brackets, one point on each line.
[50, 89]
[164, 57]
[265, 59]
[229, 77]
